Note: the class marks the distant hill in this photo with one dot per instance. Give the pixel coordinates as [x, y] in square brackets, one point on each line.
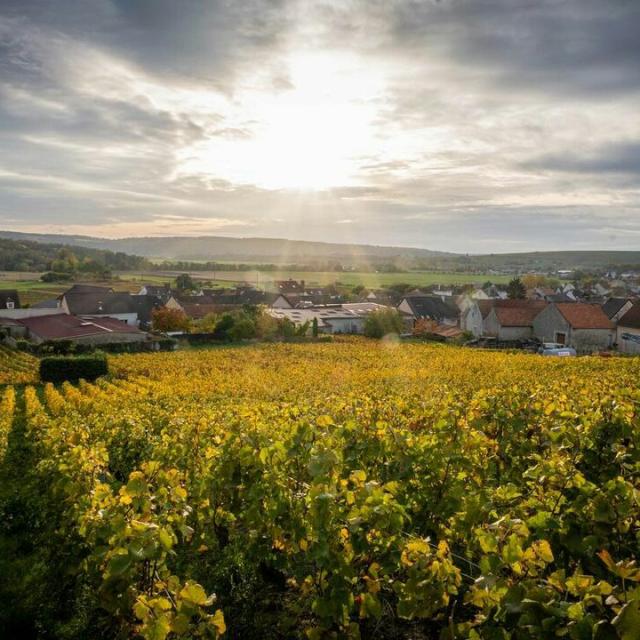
[280, 251]
[549, 261]
[29, 255]
[221, 248]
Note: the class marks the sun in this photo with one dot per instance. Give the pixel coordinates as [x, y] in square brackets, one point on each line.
[311, 136]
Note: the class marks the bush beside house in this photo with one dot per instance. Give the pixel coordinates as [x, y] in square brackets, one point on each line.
[380, 323]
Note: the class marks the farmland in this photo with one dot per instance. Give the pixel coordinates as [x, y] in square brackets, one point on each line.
[348, 489]
[369, 279]
[32, 290]
[16, 367]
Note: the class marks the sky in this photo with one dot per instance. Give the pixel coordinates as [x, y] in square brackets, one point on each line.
[457, 125]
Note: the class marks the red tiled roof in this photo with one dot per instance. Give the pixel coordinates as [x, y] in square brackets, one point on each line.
[447, 331]
[61, 326]
[584, 316]
[518, 313]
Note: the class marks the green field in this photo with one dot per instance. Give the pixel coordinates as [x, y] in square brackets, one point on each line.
[368, 279]
[32, 290]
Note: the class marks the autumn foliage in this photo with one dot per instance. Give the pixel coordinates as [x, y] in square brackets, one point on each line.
[357, 489]
[165, 319]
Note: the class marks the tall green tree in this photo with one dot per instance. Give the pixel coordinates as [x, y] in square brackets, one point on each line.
[185, 282]
[516, 289]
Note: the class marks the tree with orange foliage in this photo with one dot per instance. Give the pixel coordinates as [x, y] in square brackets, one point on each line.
[165, 319]
[423, 327]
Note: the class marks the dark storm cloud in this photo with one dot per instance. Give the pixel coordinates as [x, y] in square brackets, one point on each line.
[586, 46]
[192, 41]
[623, 158]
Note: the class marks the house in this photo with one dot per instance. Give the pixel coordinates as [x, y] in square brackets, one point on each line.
[511, 320]
[239, 296]
[580, 325]
[485, 307]
[615, 308]
[283, 301]
[197, 307]
[177, 301]
[480, 294]
[541, 293]
[443, 293]
[314, 298]
[144, 306]
[346, 318]
[159, 291]
[470, 315]
[10, 319]
[9, 299]
[563, 296]
[628, 331]
[387, 297]
[93, 331]
[29, 312]
[600, 290]
[420, 307]
[289, 286]
[101, 304]
[496, 294]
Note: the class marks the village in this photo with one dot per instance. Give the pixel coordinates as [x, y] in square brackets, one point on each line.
[560, 320]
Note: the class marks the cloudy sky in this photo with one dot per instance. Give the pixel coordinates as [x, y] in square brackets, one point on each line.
[461, 125]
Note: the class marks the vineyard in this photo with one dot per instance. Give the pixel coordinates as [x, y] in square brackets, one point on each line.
[344, 490]
[17, 367]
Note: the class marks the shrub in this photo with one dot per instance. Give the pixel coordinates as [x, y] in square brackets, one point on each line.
[224, 327]
[56, 347]
[54, 276]
[22, 345]
[243, 329]
[380, 323]
[61, 368]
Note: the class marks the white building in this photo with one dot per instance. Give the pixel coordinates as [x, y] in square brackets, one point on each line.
[345, 318]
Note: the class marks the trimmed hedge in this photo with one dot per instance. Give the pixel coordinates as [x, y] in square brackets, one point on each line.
[61, 368]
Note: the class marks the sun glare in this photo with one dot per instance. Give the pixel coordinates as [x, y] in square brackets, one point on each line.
[308, 137]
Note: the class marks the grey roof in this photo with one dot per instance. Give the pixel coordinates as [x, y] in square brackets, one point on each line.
[100, 303]
[613, 305]
[144, 305]
[50, 303]
[631, 318]
[432, 307]
[8, 296]
[87, 288]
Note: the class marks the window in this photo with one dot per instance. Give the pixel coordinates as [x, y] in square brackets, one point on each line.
[561, 337]
[10, 304]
